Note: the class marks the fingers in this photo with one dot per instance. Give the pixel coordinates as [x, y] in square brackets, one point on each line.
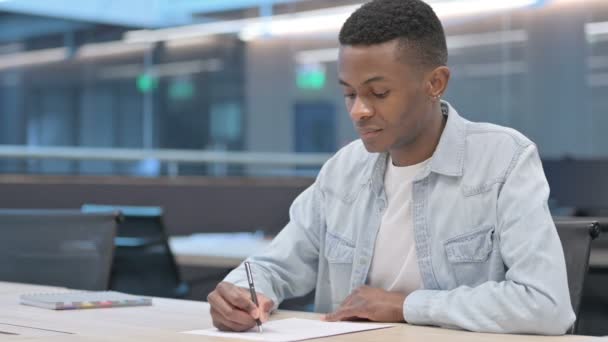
[353, 307]
[372, 304]
[265, 306]
[233, 310]
[238, 297]
[221, 306]
[227, 311]
[345, 314]
[225, 323]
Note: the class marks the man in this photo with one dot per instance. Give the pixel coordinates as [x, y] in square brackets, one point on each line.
[428, 219]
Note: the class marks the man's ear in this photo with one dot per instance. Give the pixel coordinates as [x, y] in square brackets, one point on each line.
[437, 81]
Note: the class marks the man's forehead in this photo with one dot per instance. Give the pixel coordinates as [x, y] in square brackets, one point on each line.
[387, 48]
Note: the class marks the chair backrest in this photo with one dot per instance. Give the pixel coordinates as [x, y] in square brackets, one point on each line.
[576, 236]
[57, 247]
[143, 261]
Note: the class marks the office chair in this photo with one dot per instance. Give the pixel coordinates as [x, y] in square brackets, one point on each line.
[143, 261]
[593, 313]
[576, 236]
[57, 247]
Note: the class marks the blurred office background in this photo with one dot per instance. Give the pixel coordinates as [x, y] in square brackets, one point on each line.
[208, 108]
[260, 76]
[248, 88]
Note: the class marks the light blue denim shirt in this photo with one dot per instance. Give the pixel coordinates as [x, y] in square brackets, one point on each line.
[488, 251]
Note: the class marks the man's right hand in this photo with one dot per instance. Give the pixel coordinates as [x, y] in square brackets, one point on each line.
[233, 310]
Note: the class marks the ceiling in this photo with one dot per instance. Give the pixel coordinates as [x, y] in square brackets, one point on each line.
[146, 13]
[23, 19]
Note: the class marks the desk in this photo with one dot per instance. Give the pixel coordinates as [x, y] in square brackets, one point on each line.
[225, 250]
[167, 317]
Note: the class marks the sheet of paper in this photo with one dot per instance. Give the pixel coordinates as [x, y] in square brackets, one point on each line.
[293, 329]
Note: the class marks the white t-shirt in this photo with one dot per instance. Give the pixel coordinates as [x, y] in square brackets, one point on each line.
[394, 265]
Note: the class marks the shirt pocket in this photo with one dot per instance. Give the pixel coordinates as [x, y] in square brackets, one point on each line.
[469, 255]
[338, 250]
[339, 254]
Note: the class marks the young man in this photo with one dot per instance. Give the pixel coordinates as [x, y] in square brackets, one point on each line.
[428, 219]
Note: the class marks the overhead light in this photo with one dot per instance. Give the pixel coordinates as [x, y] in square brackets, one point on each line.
[109, 49]
[186, 32]
[298, 23]
[324, 20]
[316, 56]
[161, 70]
[455, 42]
[31, 58]
[188, 42]
[486, 39]
[54, 55]
[597, 31]
[481, 70]
[288, 24]
[447, 9]
[596, 28]
[333, 19]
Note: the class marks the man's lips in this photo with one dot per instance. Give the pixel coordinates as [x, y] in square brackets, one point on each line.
[369, 132]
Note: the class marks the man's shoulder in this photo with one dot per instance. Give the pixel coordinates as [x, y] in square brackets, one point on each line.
[494, 135]
[491, 151]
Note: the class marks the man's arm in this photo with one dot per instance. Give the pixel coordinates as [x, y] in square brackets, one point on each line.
[534, 297]
[288, 267]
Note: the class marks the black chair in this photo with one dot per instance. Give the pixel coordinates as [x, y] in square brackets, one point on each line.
[576, 236]
[594, 304]
[57, 247]
[143, 261]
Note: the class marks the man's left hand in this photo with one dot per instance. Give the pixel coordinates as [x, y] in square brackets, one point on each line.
[372, 304]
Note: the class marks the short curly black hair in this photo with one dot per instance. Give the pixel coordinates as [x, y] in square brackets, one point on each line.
[412, 21]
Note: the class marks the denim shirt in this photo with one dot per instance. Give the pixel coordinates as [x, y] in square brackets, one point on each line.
[488, 251]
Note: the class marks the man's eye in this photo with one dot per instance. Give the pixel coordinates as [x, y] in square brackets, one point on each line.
[381, 95]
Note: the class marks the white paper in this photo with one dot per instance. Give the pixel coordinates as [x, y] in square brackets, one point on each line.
[293, 329]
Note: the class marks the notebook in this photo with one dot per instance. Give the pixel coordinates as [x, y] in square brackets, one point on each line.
[83, 300]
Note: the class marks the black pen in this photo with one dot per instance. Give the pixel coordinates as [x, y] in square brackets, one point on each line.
[7, 333]
[254, 296]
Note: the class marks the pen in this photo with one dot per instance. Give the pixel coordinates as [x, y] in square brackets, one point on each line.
[7, 333]
[254, 296]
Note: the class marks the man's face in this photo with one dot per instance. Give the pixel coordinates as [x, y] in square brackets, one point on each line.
[384, 94]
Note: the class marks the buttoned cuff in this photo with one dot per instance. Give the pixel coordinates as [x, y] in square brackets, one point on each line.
[418, 305]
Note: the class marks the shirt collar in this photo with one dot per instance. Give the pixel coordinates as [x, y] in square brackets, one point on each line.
[448, 158]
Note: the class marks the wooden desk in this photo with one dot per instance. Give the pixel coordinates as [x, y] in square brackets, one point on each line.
[167, 317]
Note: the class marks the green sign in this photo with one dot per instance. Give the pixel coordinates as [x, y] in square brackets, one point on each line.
[311, 76]
[181, 90]
[146, 83]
